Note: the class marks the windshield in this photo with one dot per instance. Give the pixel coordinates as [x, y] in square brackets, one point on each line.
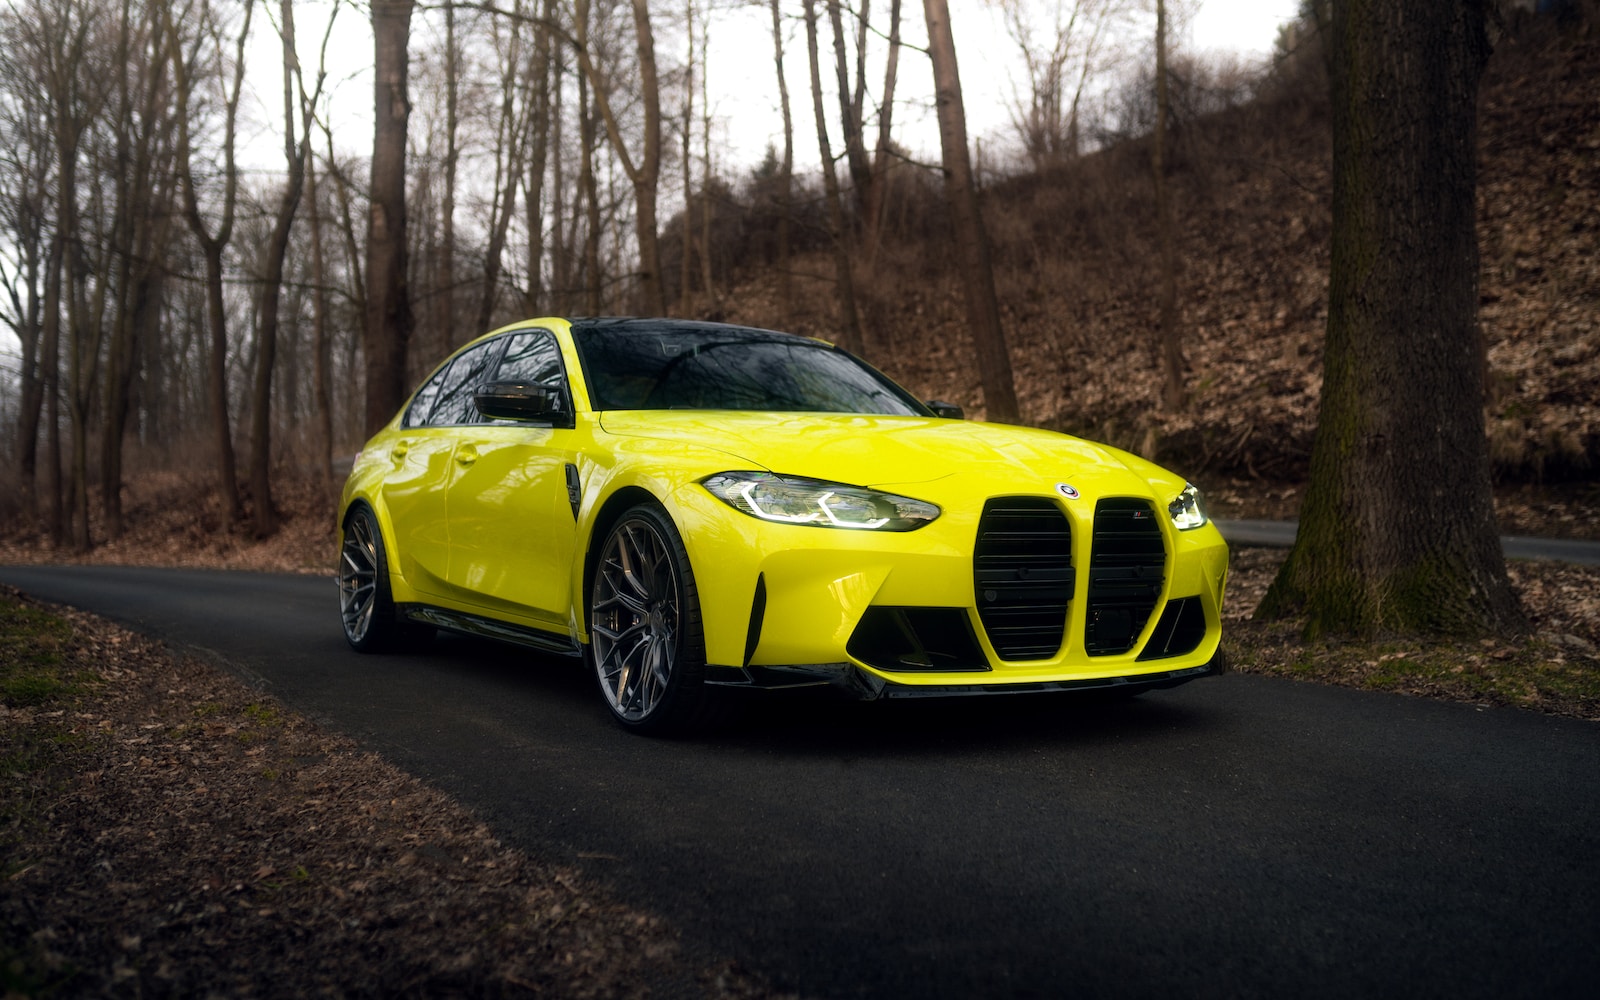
[647, 366]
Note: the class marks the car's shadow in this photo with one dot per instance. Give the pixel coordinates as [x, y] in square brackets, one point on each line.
[822, 721]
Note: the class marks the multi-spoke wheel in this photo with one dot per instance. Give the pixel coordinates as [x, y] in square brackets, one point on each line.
[366, 607]
[644, 619]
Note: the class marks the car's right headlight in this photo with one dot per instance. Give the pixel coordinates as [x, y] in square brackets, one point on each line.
[818, 503]
[1188, 510]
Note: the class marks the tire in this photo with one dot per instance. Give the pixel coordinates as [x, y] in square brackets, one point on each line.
[646, 642]
[366, 604]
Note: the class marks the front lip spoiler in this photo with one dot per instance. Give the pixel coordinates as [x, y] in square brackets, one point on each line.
[868, 686]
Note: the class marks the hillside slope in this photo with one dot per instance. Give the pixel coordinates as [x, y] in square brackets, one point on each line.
[1076, 271]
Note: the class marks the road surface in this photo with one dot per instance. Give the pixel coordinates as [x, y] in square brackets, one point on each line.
[1238, 837]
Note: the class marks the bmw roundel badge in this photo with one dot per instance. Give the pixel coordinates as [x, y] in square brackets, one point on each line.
[1068, 491]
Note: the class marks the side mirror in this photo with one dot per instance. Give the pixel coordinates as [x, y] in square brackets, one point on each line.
[527, 401]
[949, 411]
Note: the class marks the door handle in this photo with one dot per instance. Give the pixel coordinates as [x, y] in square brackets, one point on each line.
[466, 455]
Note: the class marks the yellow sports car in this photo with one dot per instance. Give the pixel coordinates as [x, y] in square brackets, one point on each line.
[694, 506]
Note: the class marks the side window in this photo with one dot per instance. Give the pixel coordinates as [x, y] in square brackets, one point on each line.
[461, 379]
[422, 403]
[531, 357]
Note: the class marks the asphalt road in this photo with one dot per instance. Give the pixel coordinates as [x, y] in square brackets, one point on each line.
[1237, 837]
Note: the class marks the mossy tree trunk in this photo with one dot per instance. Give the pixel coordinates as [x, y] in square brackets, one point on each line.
[1397, 529]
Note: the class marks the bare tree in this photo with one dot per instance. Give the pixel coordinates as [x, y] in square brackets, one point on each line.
[540, 68]
[845, 289]
[645, 172]
[25, 175]
[213, 246]
[143, 182]
[785, 170]
[971, 241]
[1058, 69]
[1168, 337]
[1397, 529]
[878, 193]
[295, 150]
[388, 313]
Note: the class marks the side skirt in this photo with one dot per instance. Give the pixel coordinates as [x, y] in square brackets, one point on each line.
[489, 628]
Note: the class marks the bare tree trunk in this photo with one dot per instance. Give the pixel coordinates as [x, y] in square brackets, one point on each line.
[560, 245]
[512, 146]
[877, 194]
[851, 101]
[849, 320]
[591, 198]
[388, 316]
[447, 209]
[786, 172]
[319, 330]
[212, 248]
[538, 157]
[685, 270]
[1169, 339]
[707, 208]
[971, 241]
[646, 173]
[1397, 529]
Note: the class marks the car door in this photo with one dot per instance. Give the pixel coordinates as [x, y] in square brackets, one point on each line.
[513, 525]
[416, 487]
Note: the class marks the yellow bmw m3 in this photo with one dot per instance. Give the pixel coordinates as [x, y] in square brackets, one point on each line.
[693, 506]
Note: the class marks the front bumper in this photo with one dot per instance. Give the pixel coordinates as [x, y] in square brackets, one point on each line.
[893, 614]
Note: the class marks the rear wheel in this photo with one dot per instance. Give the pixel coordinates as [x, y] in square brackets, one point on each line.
[647, 646]
[366, 605]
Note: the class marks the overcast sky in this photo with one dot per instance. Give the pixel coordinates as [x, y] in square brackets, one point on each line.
[743, 91]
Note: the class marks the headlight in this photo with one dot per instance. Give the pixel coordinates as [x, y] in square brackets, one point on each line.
[1188, 510]
[817, 503]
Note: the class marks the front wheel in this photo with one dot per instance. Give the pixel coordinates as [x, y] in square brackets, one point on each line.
[647, 646]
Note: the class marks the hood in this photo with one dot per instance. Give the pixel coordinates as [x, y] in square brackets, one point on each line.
[887, 452]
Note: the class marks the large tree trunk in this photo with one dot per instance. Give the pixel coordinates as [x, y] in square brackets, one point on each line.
[388, 320]
[1397, 529]
[971, 241]
[849, 317]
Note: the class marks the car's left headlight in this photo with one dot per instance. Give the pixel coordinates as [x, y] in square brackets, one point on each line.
[818, 503]
[1188, 510]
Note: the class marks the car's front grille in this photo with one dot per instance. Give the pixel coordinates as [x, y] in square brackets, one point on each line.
[1022, 574]
[1127, 565]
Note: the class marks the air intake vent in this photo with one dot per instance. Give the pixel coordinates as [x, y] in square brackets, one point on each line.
[1022, 573]
[1182, 626]
[1127, 566]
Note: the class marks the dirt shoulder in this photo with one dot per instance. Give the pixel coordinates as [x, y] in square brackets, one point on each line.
[166, 830]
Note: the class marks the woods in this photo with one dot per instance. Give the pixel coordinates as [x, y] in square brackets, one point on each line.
[182, 293]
